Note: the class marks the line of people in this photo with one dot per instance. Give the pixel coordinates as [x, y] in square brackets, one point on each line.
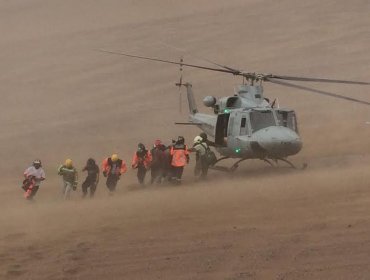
[166, 163]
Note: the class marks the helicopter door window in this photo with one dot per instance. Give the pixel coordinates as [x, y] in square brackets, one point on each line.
[261, 119]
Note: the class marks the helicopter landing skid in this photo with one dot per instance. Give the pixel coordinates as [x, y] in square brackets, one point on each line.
[234, 166]
[304, 165]
[220, 168]
[222, 158]
[269, 162]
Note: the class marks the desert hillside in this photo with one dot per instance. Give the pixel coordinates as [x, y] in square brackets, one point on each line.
[62, 98]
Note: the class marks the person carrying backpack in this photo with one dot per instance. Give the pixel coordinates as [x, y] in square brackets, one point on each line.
[70, 178]
[201, 149]
[33, 176]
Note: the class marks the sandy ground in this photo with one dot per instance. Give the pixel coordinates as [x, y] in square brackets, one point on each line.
[61, 98]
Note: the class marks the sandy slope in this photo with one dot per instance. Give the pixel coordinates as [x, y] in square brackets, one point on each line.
[61, 98]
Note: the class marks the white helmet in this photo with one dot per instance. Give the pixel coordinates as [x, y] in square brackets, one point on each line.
[198, 139]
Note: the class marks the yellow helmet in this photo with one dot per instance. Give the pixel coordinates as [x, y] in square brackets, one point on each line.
[68, 163]
[114, 157]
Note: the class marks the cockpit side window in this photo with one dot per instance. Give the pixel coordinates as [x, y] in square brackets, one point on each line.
[261, 119]
[233, 102]
[288, 119]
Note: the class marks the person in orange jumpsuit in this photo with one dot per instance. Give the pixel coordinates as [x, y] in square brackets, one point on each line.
[180, 157]
[141, 161]
[113, 167]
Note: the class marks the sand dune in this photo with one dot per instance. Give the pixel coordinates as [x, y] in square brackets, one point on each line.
[62, 98]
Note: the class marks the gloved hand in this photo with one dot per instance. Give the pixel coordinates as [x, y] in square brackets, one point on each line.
[105, 173]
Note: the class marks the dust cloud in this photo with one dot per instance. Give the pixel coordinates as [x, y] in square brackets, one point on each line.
[60, 98]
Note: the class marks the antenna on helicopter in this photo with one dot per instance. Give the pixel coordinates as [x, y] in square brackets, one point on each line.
[275, 103]
[179, 84]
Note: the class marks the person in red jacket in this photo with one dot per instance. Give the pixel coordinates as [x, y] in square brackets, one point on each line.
[180, 157]
[113, 167]
[141, 161]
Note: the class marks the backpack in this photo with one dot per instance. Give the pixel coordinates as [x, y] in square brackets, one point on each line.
[26, 184]
[209, 157]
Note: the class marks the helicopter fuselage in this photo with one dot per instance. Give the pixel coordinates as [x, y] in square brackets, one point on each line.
[246, 125]
[252, 133]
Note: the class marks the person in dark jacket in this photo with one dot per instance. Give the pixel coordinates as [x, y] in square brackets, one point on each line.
[141, 161]
[92, 178]
[205, 140]
[159, 163]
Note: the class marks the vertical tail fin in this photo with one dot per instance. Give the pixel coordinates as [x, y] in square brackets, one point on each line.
[192, 105]
[191, 101]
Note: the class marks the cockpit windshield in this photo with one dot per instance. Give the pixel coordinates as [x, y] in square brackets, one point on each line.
[287, 119]
[261, 119]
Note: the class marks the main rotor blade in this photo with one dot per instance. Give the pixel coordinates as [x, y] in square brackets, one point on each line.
[201, 58]
[172, 62]
[304, 79]
[318, 91]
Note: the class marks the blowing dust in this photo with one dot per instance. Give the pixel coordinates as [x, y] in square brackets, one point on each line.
[62, 99]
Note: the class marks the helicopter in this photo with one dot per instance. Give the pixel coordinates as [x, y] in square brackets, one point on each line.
[246, 125]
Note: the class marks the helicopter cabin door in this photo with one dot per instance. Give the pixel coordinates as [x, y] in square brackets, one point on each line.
[222, 129]
[237, 124]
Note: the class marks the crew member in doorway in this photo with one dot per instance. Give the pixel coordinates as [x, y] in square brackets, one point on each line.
[70, 178]
[141, 161]
[200, 147]
[113, 167]
[33, 177]
[206, 141]
[180, 157]
[92, 179]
